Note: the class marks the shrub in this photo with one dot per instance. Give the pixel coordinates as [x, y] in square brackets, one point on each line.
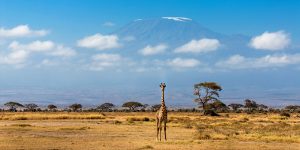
[117, 122]
[204, 137]
[131, 119]
[210, 113]
[245, 119]
[285, 114]
[146, 119]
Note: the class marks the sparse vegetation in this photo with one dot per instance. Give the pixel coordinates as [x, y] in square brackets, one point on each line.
[136, 130]
[207, 92]
[105, 107]
[31, 106]
[250, 105]
[50, 116]
[133, 124]
[235, 106]
[52, 107]
[132, 105]
[285, 114]
[75, 107]
[13, 105]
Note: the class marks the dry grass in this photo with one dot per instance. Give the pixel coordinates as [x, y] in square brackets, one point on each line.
[49, 116]
[137, 131]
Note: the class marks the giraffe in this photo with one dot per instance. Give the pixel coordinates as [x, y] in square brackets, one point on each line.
[161, 115]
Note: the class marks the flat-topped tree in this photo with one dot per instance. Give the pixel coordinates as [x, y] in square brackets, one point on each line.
[132, 105]
[292, 108]
[13, 105]
[75, 107]
[235, 106]
[105, 107]
[51, 107]
[262, 107]
[31, 106]
[250, 104]
[206, 92]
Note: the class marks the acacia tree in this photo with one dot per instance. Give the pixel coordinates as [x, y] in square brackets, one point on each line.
[262, 107]
[13, 105]
[235, 106]
[105, 106]
[31, 106]
[51, 107]
[132, 105]
[250, 104]
[206, 92]
[292, 108]
[217, 105]
[75, 107]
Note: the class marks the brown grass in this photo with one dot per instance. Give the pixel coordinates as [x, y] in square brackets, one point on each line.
[50, 116]
[137, 131]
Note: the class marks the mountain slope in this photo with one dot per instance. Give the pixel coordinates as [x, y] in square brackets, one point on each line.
[176, 31]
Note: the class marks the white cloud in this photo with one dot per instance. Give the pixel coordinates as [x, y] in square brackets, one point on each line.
[17, 58]
[183, 63]
[102, 61]
[199, 46]
[268, 61]
[46, 47]
[153, 50]
[100, 42]
[107, 57]
[36, 46]
[109, 24]
[63, 51]
[21, 31]
[272, 41]
[18, 54]
[113, 62]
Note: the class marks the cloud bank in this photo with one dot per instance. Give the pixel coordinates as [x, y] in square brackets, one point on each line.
[153, 50]
[21, 31]
[272, 41]
[180, 63]
[268, 61]
[199, 46]
[100, 42]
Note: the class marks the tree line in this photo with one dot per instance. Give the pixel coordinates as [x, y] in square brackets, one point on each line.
[217, 106]
[207, 98]
[76, 107]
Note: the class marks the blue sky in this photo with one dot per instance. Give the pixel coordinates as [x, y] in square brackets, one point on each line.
[47, 45]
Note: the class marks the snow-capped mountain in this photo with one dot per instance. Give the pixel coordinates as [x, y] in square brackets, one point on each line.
[174, 32]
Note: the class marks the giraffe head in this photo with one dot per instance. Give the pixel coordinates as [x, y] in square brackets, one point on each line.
[162, 86]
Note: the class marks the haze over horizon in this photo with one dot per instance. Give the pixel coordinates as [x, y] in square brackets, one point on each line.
[92, 52]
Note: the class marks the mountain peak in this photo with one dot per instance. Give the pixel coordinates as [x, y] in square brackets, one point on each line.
[182, 19]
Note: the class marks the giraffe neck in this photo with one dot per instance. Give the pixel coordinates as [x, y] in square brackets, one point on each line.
[163, 98]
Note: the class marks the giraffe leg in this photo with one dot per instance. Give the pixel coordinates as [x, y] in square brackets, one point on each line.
[165, 130]
[160, 128]
[157, 128]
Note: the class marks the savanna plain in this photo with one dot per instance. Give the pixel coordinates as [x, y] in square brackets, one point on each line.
[137, 130]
